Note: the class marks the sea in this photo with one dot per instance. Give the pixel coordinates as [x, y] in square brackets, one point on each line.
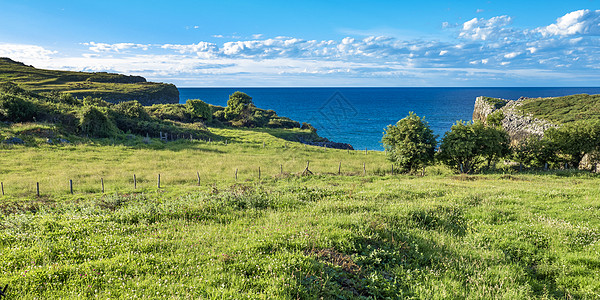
[358, 116]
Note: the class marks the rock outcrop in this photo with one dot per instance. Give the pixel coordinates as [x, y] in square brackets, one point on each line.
[517, 124]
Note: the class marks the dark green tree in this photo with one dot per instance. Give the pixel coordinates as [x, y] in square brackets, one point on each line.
[574, 140]
[15, 109]
[494, 142]
[534, 152]
[199, 109]
[467, 144]
[238, 107]
[410, 143]
[96, 124]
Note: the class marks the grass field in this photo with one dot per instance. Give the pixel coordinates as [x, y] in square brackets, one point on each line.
[330, 236]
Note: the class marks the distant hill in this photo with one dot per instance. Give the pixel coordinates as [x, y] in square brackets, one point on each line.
[108, 86]
[527, 116]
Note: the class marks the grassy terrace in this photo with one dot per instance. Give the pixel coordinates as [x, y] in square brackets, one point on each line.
[513, 236]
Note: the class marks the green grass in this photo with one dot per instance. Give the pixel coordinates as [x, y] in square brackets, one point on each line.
[495, 102]
[565, 109]
[287, 236]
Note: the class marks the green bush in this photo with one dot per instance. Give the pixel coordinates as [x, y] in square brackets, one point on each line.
[175, 112]
[466, 145]
[98, 102]
[239, 107]
[573, 140]
[131, 109]
[96, 124]
[199, 109]
[410, 143]
[16, 109]
[308, 126]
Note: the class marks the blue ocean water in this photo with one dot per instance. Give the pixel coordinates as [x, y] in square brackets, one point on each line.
[358, 116]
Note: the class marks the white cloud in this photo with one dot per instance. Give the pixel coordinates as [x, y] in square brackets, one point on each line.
[22, 52]
[532, 49]
[104, 47]
[482, 29]
[512, 55]
[580, 22]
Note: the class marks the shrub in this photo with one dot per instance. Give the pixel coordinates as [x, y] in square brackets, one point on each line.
[131, 109]
[308, 126]
[15, 109]
[410, 143]
[574, 140]
[175, 112]
[238, 107]
[468, 144]
[199, 109]
[96, 124]
[98, 102]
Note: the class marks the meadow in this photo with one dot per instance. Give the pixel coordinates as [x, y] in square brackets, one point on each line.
[360, 234]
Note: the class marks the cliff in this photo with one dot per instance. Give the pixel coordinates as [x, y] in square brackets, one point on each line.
[518, 123]
[108, 86]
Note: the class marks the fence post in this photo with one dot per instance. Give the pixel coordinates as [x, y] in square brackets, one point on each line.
[281, 169]
[364, 170]
[134, 182]
[71, 185]
[37, 184]
[236, 173]
[102, 183]
[392, 169]
[340, 168]
[158, 185]
[198, 175]
[365, 150]
[2, 185]
[258, 173]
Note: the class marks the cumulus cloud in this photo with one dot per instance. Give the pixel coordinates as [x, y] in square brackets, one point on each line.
[580, 22]
[486, 29]
[23, 52]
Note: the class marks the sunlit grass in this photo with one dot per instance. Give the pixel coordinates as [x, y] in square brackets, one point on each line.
[514, 236]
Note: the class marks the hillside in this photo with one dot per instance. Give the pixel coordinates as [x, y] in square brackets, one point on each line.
[533, 116]
[108, 86]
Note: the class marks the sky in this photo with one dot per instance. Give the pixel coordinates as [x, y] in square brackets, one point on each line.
[312, 43]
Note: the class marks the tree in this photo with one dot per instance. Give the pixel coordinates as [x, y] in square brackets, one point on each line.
[96, 124]
[466, 145]
[573, 140]
[495, 142]
[199, 109]
[238, 106]
[15, 109]
[410, 143]
[534, 152]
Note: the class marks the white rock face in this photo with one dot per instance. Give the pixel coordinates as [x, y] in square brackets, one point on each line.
[517, 125]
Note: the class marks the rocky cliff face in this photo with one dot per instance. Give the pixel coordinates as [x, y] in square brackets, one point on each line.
[518, 125]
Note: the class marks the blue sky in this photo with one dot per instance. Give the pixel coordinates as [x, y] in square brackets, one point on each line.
[312, 43]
